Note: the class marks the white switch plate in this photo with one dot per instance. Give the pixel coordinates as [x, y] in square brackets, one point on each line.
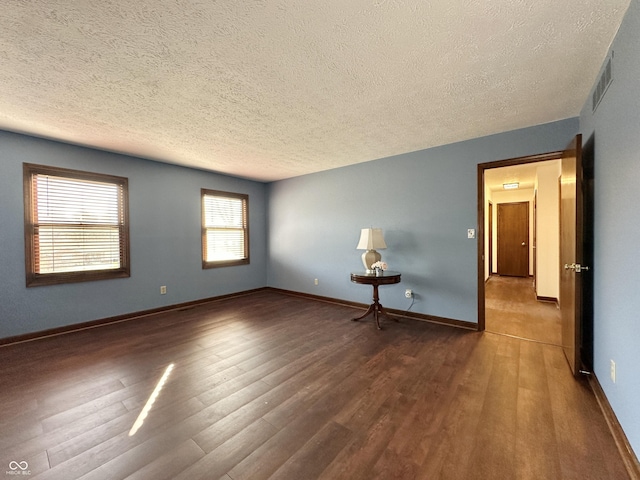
[471, 233]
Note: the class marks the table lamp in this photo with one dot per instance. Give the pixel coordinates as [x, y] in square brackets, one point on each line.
[370, 240]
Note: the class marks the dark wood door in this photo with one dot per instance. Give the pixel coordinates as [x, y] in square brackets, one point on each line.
[534, 255]
[513, 239]
[490, 237]
[588, 182]
[571, 233]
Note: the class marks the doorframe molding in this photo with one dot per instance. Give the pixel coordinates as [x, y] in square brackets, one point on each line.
[542, 157]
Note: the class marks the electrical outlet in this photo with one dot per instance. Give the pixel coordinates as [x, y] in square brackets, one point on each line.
[613, 371]
[315, 282]
[163, 290]
[408, 293]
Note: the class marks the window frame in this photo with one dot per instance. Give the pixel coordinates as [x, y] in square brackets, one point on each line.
[34, 278]
[245, 221]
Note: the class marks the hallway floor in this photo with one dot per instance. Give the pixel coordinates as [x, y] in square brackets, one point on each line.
[512, 309]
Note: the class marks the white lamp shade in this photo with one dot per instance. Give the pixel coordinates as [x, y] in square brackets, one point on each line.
[371, 239]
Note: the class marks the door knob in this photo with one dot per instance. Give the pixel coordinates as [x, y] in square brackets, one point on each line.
[523, 244]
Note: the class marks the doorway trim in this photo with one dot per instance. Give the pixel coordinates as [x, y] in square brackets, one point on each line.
[542, 157]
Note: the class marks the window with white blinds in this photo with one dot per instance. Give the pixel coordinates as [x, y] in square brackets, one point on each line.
[76, 226]
[225, 228]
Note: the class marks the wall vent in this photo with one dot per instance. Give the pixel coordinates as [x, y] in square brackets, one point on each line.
[603, 84]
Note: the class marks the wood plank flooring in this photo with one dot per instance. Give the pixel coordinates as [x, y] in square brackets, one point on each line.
[269, 385]
[511, 308]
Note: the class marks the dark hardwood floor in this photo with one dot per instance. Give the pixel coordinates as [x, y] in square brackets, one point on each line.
[511, 308]
[269, 385]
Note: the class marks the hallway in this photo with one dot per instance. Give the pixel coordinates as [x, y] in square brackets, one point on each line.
[512, 309]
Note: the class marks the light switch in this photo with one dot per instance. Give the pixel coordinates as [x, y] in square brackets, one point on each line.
[471, 233]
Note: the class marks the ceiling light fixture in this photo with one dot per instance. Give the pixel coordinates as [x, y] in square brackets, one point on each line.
[510, 186]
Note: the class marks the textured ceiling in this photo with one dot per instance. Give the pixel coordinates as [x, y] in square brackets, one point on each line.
[274, 89]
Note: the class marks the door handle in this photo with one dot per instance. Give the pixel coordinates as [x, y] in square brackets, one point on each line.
[523, 244]
[576, 267]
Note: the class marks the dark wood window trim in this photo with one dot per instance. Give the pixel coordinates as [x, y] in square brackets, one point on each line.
[33, 227]
[241, 227]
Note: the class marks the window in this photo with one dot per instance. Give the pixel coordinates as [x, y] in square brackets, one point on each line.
[76, 226]
[225, 229]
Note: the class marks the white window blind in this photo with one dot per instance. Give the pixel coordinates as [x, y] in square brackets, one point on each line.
[77, 225]
[225, 229]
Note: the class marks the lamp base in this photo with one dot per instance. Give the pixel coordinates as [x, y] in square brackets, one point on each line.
[368, 258]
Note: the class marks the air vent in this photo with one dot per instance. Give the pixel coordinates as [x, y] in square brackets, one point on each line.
[603, 84]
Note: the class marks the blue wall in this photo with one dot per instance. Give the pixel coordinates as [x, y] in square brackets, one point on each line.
[616, 270]
[164, 208]
[424, 201]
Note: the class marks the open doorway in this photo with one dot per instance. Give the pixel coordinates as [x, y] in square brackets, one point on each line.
[522, 301]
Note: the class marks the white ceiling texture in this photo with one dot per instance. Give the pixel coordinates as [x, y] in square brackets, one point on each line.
[271, 89]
